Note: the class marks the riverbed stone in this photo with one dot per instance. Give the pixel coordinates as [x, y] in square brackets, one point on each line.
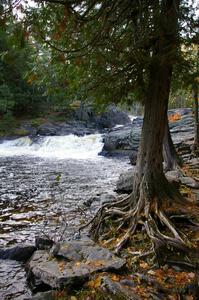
[18, 253]
[73, 264]
[190, 182]
[125, 181]
[43, 243]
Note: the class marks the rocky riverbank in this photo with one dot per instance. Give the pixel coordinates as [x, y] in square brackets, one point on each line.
[38, 194]
[124, 141]
[80, 122]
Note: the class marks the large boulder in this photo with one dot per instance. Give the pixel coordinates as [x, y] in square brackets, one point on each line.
[73, 263]
[48, 128]
[122, 140]
[112, 117]
[79, 128]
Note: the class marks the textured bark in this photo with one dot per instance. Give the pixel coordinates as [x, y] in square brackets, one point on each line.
[153, 198]
[150, 181]
[196, 118]
[171, 158]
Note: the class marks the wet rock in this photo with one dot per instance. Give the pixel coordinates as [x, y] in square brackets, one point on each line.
[75, 262]
[121, 141]
[125, 181]
[101, 199]
[133, 158]
[18, 253]
[112, 117]
[43, 243]
[62, 128]
[13, 284]
[125, 140]
[49, 295]
[47, 129]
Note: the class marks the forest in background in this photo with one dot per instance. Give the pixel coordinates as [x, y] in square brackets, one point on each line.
[36, 79]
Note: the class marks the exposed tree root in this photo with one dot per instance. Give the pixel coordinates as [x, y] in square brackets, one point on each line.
[151, 215]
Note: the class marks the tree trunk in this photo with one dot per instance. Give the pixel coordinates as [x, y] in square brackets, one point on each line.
[171, 158]
[150, 180]
[196, 118]
[152, 194]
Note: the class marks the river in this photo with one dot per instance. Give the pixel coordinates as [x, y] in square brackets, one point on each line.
[47, 186]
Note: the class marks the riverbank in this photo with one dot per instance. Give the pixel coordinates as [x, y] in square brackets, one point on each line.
[52, 196]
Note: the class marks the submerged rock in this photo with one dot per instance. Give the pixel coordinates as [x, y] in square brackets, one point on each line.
[18, 253]
[13, 283]
[73, 264]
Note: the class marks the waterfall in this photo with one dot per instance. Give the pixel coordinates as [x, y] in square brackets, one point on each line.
[60, 147]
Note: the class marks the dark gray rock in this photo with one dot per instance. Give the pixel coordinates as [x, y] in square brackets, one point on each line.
[62, 128]
[118, 289]
[49, 295]
[48, 129]
[125, 140]
[103, 198]
[125, 181]
[18, 253]
[13, 283]
[75, 263]
[43, 243]
[122, 141]
[133, 158]
[85, 113]
[112, 117]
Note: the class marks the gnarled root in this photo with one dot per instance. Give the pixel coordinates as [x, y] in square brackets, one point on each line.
[120, 215]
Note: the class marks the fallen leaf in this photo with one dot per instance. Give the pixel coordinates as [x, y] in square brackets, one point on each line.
[115, 278]
[151, 272]
[144, 265]
[78, 264]
[95, 283]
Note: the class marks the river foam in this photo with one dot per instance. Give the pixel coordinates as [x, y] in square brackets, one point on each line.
[60, 147]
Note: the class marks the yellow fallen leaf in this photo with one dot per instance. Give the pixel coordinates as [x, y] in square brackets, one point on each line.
[73, 298]
[95, 283]
[151, 272]
[78, 263]
[144, 265]
[115, 278]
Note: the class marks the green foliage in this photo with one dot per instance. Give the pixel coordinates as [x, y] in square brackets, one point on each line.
[101, 51]
[16, 94]
[7, 124]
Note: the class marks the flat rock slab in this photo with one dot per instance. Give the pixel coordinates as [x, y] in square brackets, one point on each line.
[75, 262]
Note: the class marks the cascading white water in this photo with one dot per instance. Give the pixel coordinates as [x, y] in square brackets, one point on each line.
[61, 147]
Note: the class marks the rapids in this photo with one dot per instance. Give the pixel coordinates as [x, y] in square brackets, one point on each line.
[46, 186]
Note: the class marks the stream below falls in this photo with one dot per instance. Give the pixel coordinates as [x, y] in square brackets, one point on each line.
[46, 186]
